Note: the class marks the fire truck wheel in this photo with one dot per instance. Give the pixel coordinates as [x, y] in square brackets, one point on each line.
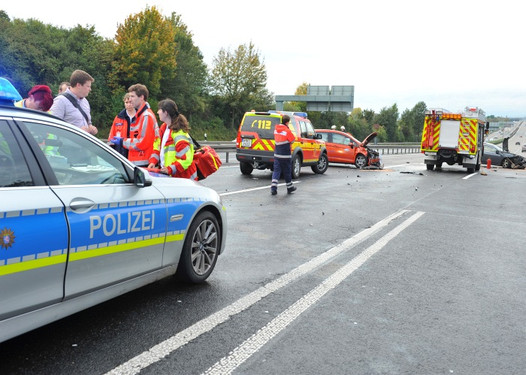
[430, 167]
[439, 165]
[360, 161]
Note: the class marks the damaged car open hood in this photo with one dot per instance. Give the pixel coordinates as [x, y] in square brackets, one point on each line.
[369, 138]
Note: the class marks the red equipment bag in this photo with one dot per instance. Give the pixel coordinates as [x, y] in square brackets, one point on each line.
[207, 161]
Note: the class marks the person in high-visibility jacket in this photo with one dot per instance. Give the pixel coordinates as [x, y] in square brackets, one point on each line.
[143, 133]
[174, 149]
[283, 138]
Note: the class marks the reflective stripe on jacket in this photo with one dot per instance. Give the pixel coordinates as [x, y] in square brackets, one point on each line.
[178, 153]
[143, 134]
[283, 137]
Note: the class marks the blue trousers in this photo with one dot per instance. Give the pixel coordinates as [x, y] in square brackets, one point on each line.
[282, 165]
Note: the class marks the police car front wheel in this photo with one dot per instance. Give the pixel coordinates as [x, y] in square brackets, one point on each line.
[200, 249]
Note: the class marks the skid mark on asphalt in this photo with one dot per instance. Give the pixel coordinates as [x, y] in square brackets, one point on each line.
[163, 349]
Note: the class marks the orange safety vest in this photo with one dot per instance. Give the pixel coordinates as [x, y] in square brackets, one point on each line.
[143, 133]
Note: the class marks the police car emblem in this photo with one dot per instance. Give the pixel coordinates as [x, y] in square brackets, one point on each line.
[8, 238]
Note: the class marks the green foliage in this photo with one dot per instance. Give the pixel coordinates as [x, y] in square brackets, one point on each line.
[411, 123]
[388, 119]
[188, 86]
[159, 52]
[145, 51]
[238, 80]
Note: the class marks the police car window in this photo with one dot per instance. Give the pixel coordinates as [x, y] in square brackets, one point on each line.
[76, 160]
[13, 170]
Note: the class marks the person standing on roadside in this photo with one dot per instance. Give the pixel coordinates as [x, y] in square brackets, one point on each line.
[283, 138]
[39, 97]
[174, 154]
[63, 87]
[72, 105]
[143, 133]
[122, 123]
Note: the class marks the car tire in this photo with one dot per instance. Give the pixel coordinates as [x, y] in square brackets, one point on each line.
[360, 161]
[296, 166]
[200, 250]
[322, 164]
[246, 168]
[506, 163]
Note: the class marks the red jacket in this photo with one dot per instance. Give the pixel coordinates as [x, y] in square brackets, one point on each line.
[283, 137]
[143, 134]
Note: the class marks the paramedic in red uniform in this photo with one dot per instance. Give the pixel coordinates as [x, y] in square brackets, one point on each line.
[174, 150]
[283, 138]
[144, 132]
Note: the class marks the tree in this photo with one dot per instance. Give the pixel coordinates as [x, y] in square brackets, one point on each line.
[388, 118]
[239, 79]
[145, 51]
[188, 86]
[411, 122]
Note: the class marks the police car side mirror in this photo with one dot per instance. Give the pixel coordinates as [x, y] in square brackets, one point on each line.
[140, 178]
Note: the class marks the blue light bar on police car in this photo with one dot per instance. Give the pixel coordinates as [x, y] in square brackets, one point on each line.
[8, 93]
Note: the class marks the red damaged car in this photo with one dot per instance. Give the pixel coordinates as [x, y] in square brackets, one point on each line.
[344, 148]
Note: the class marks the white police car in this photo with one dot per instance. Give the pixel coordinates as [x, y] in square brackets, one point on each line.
[79, 224]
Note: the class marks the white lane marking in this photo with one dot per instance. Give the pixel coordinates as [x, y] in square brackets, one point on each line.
[161, 350]
[244, 351]
[470, 175]
[254, 189]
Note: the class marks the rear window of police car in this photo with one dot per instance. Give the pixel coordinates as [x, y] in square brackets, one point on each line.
[263, 125]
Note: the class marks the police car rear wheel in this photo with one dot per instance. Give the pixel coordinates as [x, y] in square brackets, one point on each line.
[200, 250]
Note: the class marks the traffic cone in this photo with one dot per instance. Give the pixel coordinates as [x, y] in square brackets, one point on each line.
[488, 166]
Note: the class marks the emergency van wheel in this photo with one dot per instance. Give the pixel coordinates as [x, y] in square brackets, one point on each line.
[296, 166]
[360, 161]
[322, 165]
[246, 168]
[200, 249]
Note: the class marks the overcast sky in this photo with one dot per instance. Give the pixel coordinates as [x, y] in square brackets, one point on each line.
[449, 54]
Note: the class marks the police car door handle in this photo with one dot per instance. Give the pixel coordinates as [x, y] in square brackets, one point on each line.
[81, 204]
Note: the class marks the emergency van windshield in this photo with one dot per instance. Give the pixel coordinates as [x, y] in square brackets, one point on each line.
[263, 125]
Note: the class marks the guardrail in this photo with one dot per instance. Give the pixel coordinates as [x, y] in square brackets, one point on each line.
[383, 149]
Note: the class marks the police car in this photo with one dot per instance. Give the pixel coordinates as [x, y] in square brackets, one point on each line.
[80, 224]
